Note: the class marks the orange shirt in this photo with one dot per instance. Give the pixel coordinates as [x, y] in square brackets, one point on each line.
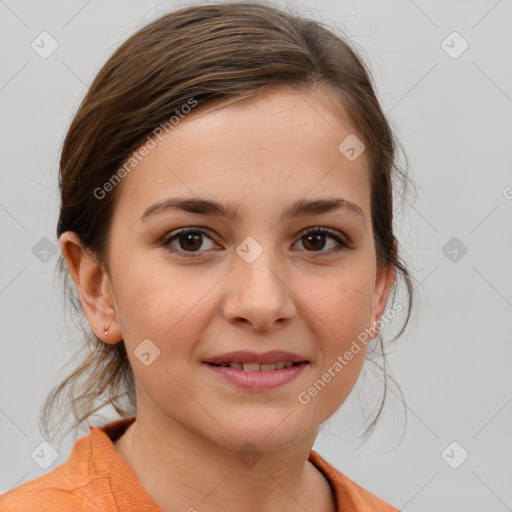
[97, 478]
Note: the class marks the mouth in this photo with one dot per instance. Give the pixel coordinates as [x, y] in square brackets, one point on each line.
[257, 372]
[257, 367]
[279, 358]
[257, 377]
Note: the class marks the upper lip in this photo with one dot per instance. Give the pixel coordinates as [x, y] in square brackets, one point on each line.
[241, 356]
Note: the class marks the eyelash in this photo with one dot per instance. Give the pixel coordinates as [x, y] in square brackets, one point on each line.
[342, 243]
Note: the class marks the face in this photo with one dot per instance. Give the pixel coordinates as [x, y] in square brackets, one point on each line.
[201, 284]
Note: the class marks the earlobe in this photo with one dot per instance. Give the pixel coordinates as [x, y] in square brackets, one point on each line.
[93, 286]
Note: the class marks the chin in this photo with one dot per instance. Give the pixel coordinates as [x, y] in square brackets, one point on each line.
[266, 434]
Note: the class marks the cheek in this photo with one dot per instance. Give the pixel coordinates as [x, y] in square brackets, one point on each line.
[342, 311]
[344, 318]
[172, 310]
[342, 304]
[154, 298]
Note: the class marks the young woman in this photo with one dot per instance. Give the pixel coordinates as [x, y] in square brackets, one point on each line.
[227, 221]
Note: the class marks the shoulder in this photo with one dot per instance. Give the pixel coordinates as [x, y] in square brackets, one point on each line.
[58, 490]
[349, 493]
[72, 486]
[371, 500]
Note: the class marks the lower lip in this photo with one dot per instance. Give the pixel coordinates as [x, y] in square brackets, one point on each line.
[258, 380]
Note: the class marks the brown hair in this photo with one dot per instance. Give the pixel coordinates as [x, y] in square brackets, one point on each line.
[216, 53]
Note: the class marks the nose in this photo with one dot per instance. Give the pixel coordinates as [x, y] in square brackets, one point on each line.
[258, 295]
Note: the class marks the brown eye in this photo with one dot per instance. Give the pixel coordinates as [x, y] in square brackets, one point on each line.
[314, 240]
[188, 242]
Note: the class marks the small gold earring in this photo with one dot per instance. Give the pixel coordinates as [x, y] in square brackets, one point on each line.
[105, 331]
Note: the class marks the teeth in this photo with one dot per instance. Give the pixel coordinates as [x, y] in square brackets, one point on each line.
[255, 367]
[251, 367]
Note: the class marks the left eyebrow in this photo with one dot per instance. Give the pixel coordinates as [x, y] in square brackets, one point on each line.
[230, 211]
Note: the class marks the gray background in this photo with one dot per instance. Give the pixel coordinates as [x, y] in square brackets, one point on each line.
[452, 116]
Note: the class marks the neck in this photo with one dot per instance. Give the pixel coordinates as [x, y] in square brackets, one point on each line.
[182, 470]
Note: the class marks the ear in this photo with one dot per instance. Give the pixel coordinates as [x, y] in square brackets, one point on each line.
[385, 277]
[94, 287]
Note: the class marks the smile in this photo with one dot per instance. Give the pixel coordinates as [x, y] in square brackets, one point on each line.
[255, 367]
[257, 376]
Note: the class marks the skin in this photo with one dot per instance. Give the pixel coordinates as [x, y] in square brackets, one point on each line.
[262, 154]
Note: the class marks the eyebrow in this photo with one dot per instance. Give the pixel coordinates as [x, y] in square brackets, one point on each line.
[230, 211]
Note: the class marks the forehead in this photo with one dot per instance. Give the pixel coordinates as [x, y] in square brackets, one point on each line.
[280, 143]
